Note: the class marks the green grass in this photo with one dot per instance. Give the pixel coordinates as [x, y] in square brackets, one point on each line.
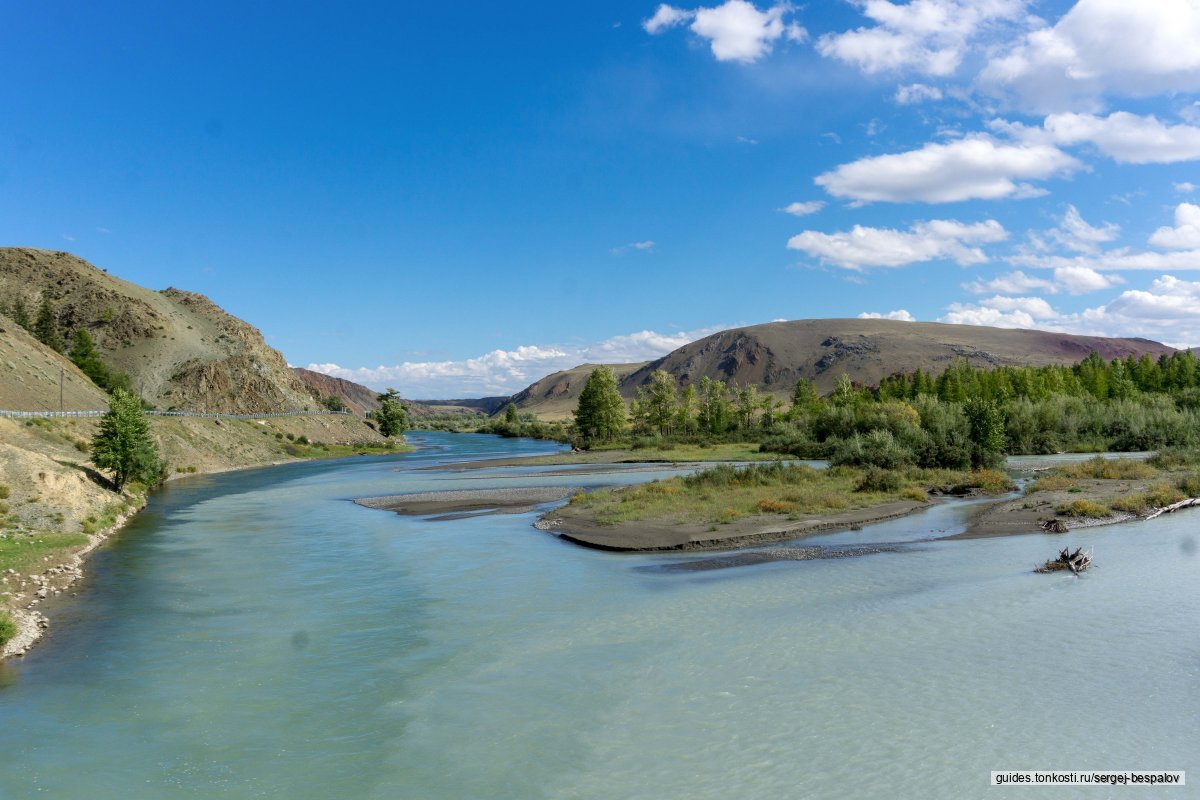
[323, 450]
[1054, 483]
[724, 494]
[1157, 496]
[25, 553]
[8, 628]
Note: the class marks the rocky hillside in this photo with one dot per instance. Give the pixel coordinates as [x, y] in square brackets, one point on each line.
[775, 356]
[180, 348]
[30, 376]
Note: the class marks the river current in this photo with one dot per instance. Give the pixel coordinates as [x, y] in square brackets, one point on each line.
[257, 635]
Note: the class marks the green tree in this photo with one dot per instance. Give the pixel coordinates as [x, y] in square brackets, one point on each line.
[986, 421]
[392, 415]
[748, 404]
[661, 403]
[83, 355]
[46, 326]
[510, 415]
[333, 402]
[124, 444]
[20, 314]
[716, 412]
[600, 415]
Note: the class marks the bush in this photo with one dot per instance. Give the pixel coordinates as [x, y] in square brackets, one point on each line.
[878, 448]
[1084, 508]
[1123, 469]
[4, 491]
[915, 493]
[301, 439]
[1190, 484]
[880, 480]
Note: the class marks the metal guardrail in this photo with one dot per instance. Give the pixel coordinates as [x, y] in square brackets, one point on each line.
[177, 414]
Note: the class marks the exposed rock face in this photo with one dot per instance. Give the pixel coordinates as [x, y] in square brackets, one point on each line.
[181, 350]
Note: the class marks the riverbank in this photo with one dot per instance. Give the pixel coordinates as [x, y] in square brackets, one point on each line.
[55, 508]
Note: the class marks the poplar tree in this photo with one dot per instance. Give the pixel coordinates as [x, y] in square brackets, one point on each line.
[600, 415]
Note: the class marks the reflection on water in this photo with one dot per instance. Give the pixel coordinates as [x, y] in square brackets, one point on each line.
[259, 635]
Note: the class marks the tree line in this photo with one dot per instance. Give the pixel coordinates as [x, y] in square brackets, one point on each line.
[963, 416]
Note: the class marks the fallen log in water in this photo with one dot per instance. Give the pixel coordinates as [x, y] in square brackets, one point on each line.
[1191, 501]
[1076, 562]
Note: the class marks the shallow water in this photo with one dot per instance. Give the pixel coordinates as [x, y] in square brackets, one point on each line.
[258, 635]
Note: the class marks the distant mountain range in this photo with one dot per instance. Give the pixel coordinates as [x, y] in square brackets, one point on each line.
[182, 351]
[776, 355]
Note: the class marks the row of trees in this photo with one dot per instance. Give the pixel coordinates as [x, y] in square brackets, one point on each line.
[964, 416]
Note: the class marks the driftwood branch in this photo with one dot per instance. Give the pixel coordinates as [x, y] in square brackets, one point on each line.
[1191, 501]
[1076, 562]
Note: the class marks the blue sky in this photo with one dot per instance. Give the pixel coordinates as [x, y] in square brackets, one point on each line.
[456, 199]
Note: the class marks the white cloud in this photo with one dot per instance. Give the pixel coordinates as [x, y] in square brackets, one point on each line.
[644, 247]
[1076, 234]
[900, 314]
[937, 239]
[1081, 280]
[925, 36]
[503, 372]
[736, 30]
[917, 93]
[1071, 279]
[1002, 312]
[803, 209]
[665, 18]
[1169, 311]
[1186, 187]
[1127, 138]
[1186, 233]
[1102, 47]
[977, 167]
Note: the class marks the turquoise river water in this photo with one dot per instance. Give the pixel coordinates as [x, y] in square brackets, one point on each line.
[256, 635]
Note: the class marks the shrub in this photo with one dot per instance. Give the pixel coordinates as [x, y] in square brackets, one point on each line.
[4, 491]
[879, 448]
[915, 493]
[1099, 468]
[990, 481]
[1190, 484]
[1084, 508]
[876, 479]
[301, 439]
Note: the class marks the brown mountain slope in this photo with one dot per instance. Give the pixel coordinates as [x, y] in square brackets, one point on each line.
[776, 355]
[360, 399]
[30, 374]
[556, 395]
[181, 350]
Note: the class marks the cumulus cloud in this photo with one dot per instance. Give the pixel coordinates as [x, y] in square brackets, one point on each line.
[1168, 311]
[900, 314]
[1127, 138]
[1076, 234]
[736, 30]
[924, 36]
[1071, 279]
[1002, 312]
[1185, 187]
[1186, 233]
[977, 167]
[1099, 48]
[665, 18]
[503, 372]
[803, 209]
[863, 247]
[917, 93]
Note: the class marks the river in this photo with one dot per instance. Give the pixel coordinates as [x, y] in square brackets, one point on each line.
[257, 635]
